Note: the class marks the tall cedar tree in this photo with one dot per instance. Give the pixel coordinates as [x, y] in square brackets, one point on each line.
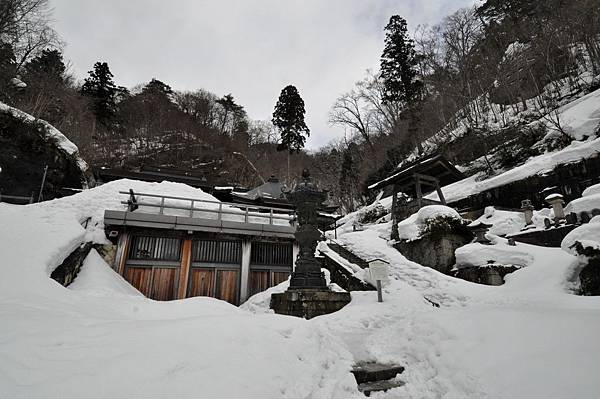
[288, 119]
[399, 64]
[103, 92]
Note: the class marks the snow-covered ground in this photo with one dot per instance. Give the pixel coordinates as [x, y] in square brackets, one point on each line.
[100, 339]
[530, 338]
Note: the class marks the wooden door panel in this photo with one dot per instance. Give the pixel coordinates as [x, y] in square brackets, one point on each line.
[279, 277]
[227, 285]
[140, 278]
[165, 283]
[259, 281]
[202, 282]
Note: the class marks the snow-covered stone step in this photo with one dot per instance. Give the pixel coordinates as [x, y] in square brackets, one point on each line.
[378, 386]
[370, 372]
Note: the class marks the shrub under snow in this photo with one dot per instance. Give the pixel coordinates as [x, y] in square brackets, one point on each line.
[416, 225]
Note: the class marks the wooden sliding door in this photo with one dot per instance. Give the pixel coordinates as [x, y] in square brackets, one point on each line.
[215, 269]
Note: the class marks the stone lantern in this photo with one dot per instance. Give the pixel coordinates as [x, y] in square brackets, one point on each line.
[527, 211]
[480, 228]
[308, 295]
[556, 200]
[306, 197]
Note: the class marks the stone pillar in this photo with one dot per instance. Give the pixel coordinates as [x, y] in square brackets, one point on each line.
[556, 200]
[245, 272]
[527, 211]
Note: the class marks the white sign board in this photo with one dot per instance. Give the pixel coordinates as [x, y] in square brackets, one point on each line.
[378, 270]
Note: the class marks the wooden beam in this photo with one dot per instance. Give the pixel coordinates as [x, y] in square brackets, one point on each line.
[419, 192]
[394, 235]
[184, 272]
[440, 194]
[122, 252]
[427, 178]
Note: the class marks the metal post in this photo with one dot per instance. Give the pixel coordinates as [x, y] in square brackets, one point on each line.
[192, 209]
[220, 214]
[379, 293]
[162, 206]
[43, 182]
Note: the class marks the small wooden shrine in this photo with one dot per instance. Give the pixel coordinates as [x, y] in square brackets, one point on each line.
[415, 180]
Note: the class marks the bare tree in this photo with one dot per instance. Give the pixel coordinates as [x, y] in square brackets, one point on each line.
[25, 25]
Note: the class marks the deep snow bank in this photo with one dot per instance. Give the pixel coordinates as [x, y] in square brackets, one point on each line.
[102, 339]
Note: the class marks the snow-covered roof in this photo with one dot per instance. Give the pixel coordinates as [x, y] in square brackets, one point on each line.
[272, 189]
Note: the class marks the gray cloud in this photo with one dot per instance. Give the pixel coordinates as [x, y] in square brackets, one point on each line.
[251, 48]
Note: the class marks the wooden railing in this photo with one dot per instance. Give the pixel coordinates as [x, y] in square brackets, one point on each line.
[28, 200]
[192, 206]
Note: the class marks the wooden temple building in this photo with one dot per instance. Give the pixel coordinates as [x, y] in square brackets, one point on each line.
[414, 181]
[173, 248]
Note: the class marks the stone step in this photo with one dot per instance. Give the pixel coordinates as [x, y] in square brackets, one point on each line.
[372, 372]
[378, 386]
[348, 255]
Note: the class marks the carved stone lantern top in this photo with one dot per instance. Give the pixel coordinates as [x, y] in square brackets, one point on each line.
[306, 197]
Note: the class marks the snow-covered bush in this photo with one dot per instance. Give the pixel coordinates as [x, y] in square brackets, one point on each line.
[372, 214]
[432, 220]
[589, 201]
[584, 240]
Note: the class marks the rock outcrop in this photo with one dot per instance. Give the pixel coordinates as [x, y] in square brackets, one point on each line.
[28, 145]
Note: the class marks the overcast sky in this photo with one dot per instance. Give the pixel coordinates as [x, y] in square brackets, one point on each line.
[250, 48]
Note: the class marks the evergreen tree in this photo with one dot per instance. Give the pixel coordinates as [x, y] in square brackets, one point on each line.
[233, 117]
[8, 70]
[399, 64]
[288, 119]
[103, 92]
[49, 65]
[159, 90]
[46, 86]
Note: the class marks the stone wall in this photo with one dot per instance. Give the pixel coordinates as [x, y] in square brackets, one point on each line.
[551, 237]
[436, 252]
[488, 275]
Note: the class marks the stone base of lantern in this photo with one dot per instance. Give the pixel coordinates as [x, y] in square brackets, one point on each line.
[309, 303]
